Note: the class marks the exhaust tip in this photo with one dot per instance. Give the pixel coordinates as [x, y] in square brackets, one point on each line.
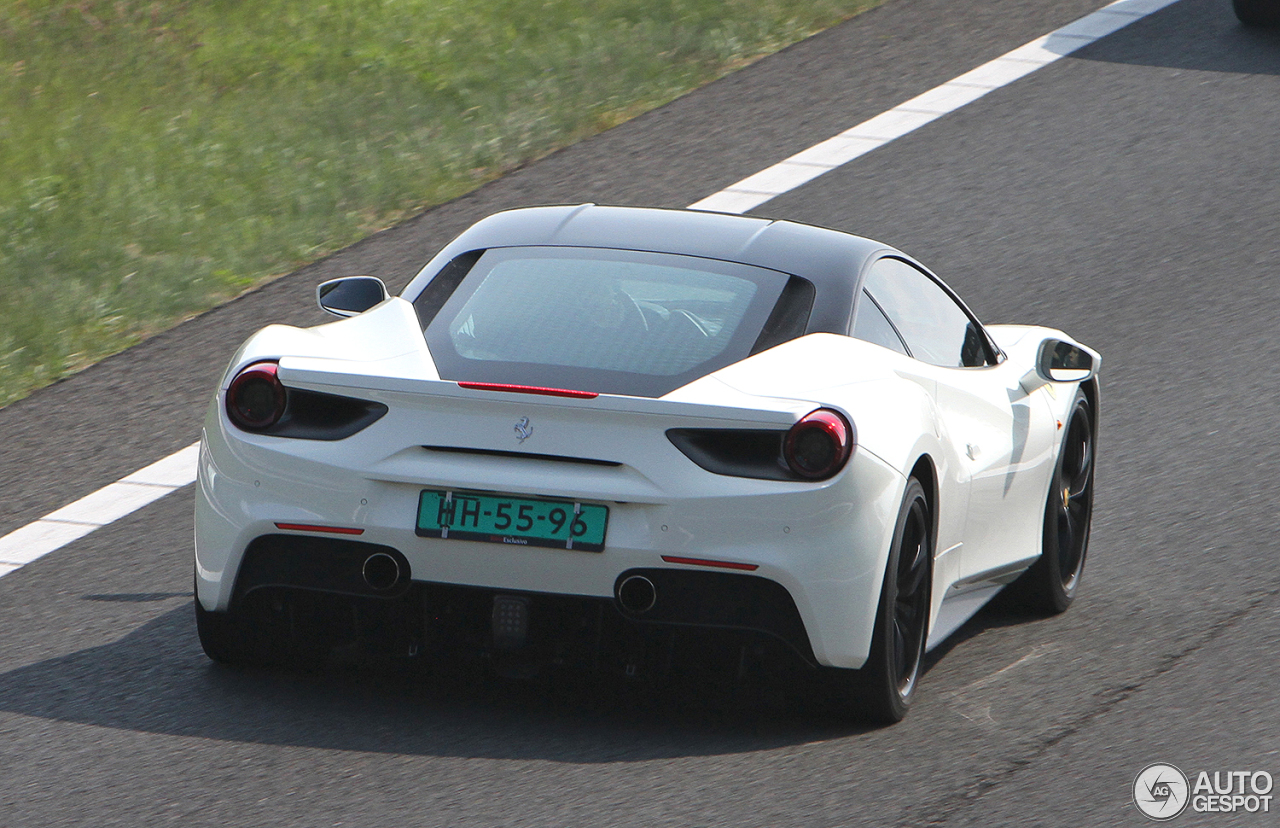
[637, 595]
[381, 572]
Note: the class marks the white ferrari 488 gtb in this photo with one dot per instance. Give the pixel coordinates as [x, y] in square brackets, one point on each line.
[583, 435]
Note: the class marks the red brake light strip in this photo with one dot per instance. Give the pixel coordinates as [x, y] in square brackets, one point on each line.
[308, 527]
[530, 389]
[746, 567]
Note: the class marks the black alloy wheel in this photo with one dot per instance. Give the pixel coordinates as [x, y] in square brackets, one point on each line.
[1050, 585]
[1074, 511]
[911, 603]
[882, 690]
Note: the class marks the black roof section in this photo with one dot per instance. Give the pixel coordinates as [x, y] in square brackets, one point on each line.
[831, 260]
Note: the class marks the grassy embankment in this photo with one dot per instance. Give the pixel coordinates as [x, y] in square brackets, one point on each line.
[158, 157]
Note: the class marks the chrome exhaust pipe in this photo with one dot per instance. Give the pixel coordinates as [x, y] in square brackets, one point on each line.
[637, 595]
[381, 572]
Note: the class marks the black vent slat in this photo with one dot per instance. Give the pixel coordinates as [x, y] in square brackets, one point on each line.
[734, 452]
[523, 455]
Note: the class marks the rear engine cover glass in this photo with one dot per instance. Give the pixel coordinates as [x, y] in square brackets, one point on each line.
[609, 321]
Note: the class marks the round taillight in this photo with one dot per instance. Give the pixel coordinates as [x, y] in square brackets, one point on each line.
[818, 445]
[256, 399]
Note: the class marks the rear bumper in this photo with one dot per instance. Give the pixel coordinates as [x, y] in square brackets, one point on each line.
[684, 598]
[818, 550]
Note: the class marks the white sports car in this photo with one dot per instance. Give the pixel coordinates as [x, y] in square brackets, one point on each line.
[585, 434]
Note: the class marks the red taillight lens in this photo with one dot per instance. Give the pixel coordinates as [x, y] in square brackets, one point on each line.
[819, 445]
[256, 398]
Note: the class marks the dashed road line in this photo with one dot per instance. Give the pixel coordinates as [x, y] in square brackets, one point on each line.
[97, 509]
[909, 116]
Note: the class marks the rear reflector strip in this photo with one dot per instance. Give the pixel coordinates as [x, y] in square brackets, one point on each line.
[746, 567]
[307, 527]
[530, 389]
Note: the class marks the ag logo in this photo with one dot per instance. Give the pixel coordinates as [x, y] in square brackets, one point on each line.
[523, 430]
[1160, 791]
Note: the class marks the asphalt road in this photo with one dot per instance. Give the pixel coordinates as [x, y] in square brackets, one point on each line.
[1128, 194]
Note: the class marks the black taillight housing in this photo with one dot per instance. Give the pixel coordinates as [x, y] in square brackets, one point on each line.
[819, 444]
[256, 399]
[815, 448]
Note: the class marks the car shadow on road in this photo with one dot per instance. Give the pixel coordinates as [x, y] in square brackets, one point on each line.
[157, 680]
[1199, 35]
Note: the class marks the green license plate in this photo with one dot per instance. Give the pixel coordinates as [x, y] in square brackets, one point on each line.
[521, 521]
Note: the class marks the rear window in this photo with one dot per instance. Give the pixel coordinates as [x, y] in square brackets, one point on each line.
[611, 321]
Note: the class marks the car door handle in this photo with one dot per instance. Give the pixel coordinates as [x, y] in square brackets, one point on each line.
[973, 450]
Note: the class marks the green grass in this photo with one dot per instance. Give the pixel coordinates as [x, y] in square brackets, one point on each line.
[157, 158]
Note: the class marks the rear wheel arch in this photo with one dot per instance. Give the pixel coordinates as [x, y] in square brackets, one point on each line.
[1049, 585]
[1091, 393]
[881, 689]
[925, 472]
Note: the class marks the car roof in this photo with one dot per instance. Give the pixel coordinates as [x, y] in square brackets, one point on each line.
[831, 260]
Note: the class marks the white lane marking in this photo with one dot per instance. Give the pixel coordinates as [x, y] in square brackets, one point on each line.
[109, 504]
[909, 116]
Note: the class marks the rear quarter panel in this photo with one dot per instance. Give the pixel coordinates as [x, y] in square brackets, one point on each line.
[890, 402]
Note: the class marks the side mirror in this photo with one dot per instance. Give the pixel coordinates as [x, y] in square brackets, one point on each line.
[1064, 362]
[350, 296]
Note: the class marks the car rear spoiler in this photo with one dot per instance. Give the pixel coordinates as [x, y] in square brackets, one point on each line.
[352, 378]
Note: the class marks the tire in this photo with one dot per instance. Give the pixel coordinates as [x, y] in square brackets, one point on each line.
[1258, 12]
[1050, 585]
[882, 690]
[219, 636]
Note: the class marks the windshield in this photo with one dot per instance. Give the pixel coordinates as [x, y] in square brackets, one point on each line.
[610, 321]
